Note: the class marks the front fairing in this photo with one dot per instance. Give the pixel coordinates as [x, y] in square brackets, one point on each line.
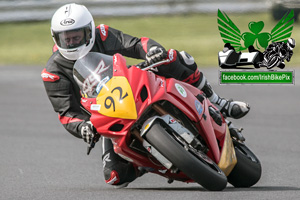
[107, 94]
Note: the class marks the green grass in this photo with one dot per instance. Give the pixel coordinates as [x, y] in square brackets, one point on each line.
[31, 43]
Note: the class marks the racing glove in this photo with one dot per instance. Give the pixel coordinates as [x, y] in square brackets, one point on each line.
[88, 133]
[155, 55]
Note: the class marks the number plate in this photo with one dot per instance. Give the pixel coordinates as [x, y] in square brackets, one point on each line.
[116, 99]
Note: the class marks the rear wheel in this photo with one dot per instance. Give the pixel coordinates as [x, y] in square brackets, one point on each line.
[196, 166]
[247, 171]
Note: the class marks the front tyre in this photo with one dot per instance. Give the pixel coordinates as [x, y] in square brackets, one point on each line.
[247, 171]
[200, 170]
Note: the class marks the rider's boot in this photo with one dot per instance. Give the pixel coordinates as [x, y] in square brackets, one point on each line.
[281, 65]
[234, 109]
[117, 171]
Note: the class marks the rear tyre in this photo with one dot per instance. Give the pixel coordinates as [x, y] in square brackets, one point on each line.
[202, 171]
[247, 171]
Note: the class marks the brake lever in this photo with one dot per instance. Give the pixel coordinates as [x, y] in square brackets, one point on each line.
[90, 147]
[92, 144]
[146, 65]
[156, 64]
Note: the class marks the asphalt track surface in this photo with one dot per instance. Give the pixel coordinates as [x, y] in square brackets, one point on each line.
[40, 160]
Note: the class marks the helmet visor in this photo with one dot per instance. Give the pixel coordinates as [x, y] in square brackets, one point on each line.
[73, 38]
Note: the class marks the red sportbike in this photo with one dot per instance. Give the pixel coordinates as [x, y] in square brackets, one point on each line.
[163, 125]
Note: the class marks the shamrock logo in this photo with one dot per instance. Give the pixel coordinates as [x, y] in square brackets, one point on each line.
[230, 33]
[261, 39]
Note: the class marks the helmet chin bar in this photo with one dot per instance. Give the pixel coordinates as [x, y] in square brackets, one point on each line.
[70, 51]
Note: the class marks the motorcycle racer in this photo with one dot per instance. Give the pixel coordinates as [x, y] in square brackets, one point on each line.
[277, 52]
[74, 34]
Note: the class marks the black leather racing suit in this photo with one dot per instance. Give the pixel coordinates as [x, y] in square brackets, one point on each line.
[64, 93]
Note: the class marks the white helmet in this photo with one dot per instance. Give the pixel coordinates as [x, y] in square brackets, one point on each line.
[291, 43]
[73, 31]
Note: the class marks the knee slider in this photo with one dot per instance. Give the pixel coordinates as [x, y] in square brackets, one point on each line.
[119, 173]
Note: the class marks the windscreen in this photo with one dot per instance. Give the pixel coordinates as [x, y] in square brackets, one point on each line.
[92, 72]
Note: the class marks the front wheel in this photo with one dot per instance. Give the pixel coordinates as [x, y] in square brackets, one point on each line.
[199, 168]
[247, 171]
